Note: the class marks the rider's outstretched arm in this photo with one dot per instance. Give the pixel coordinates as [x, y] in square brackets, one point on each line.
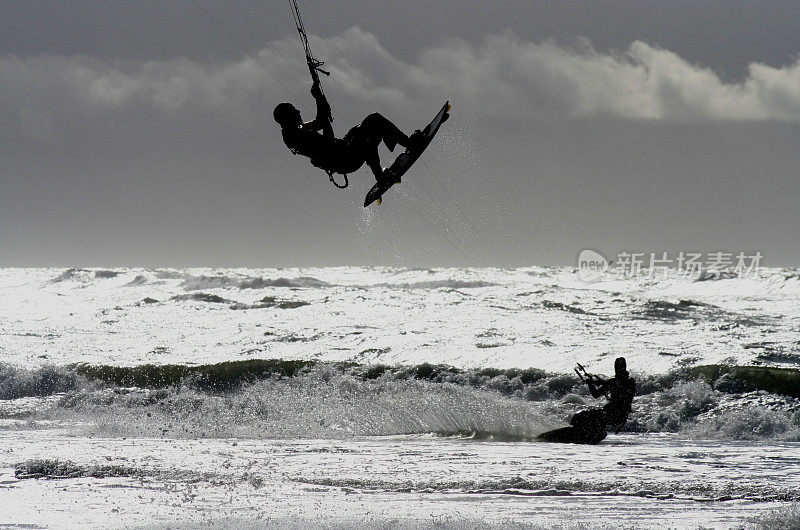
[322, 121]
[597, 386]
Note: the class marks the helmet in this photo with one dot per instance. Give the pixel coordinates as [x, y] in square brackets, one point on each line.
[284, 113]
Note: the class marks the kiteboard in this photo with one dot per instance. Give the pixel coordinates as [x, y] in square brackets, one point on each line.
[405, 160]
[571, 435]
[586, 427]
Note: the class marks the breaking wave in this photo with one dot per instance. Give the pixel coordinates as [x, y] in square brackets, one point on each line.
[199, 283]
[82, 275]
[751, 422]
[191, 282]
[284, 399]
[140, 279]
[300, 282]
[85, 275]
[44, 381]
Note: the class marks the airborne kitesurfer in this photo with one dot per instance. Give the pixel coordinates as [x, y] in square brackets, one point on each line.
[316, 140]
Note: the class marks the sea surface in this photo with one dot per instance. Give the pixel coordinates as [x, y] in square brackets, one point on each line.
[351, 397]
[533, 317]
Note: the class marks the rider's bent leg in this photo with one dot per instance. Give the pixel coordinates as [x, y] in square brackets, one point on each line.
[373, 160]
[381, 129]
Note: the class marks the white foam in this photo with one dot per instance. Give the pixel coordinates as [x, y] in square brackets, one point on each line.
[398, 315]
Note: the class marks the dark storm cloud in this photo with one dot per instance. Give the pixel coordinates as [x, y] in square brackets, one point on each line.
[724, 35]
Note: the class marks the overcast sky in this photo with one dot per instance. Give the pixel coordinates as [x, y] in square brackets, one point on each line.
[141, 134]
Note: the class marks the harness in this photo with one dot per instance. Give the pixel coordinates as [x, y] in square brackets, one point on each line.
[329, 172]
[333, 181]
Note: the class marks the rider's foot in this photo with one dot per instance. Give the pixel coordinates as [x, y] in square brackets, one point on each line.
[386, 178]
[415, 140]
[381, 178]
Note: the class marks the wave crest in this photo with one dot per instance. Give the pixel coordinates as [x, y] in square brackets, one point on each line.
[300, 282]
[748, 423]
[707, 401]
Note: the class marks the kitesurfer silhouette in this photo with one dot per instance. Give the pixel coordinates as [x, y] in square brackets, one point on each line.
[619, 390]
[316, 139]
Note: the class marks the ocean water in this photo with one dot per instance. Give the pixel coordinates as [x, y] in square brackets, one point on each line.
[534, 317]
[351, 397]
[630, 481]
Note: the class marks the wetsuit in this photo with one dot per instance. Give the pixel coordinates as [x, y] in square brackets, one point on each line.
[316, 140]
[620, 392]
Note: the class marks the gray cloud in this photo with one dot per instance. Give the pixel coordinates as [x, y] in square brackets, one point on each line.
[509, 76]
[503, 77]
